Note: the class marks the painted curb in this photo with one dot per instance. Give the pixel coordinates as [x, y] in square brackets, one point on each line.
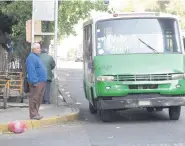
[45, 122]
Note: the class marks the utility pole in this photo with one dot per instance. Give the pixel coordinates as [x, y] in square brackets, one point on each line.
[56, 37]
[46, 11]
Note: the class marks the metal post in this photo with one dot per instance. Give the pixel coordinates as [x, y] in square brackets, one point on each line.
[56, 37]
[33, 20]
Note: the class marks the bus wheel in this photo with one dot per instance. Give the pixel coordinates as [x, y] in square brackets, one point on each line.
[106, 115]
[174, 112]
[159, 109]
[150, 109]
[92, 109]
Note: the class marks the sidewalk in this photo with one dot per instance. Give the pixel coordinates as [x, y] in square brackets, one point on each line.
[51, 113]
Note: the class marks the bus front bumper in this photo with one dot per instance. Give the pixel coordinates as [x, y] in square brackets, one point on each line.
[124, 103]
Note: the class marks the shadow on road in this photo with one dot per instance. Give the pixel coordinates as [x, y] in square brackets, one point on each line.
[128, 116]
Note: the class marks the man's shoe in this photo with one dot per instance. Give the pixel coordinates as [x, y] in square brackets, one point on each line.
[37, 118]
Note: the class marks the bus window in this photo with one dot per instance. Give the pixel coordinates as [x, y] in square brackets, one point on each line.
[120, 36]
[88, 42]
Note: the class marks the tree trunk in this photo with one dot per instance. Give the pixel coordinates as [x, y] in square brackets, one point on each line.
[3, 59]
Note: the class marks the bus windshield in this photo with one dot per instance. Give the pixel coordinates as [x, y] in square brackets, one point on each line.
[139, 35]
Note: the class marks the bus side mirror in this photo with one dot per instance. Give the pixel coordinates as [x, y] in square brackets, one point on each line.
[184, 42]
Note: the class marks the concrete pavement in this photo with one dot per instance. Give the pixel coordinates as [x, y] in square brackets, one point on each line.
[52, 115]
[56, 113]
[68, 134]
[76, 134]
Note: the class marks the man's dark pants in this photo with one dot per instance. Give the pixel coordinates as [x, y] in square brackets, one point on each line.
[46, 98]
[35, 98]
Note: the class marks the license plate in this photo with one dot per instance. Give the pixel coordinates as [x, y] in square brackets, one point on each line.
[144, 103]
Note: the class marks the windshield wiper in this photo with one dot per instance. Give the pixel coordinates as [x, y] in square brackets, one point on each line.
[148, 45]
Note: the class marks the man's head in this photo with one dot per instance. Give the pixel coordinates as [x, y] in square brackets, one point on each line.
[35, 48]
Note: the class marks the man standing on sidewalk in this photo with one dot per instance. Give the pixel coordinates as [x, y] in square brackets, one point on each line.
[50, 65]
[37, 77]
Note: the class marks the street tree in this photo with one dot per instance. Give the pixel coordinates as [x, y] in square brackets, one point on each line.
[70, 12]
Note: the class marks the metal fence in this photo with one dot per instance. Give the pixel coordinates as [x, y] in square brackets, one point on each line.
[11, 76]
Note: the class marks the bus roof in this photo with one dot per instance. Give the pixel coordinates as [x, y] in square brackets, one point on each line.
[129, 15]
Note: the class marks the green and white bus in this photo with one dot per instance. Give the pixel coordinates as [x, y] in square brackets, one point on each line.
[134, 60]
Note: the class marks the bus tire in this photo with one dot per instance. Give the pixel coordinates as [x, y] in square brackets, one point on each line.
[159, 109]
[150, 109]
[92, 109]
[174, 112]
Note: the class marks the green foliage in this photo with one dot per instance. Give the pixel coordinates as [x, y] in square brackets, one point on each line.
[129, 6]
[167, 6]
[159, 6]
[177, 7]
[70, 12]
[22, 11]
[6, 23]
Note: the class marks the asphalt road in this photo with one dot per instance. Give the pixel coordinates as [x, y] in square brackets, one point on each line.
[129, 128]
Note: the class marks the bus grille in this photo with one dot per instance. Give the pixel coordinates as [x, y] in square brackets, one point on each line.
[145, 77]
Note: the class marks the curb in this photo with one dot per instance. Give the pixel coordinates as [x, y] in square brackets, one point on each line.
[65, 95]
[45, 122]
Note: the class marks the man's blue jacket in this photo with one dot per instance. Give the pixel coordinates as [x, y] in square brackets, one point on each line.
[36, 71]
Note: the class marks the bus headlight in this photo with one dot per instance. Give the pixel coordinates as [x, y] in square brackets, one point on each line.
[105, 78]
[178, 76]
